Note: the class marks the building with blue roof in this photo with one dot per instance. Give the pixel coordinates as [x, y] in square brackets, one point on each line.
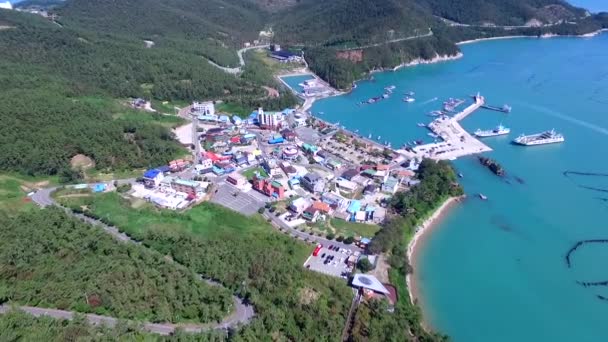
[164, 169]
[152, 178]
[285, 56]
[237, 120]
[354, 206]
[99, 187]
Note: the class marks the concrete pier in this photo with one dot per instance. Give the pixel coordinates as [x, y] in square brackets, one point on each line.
[457, 142]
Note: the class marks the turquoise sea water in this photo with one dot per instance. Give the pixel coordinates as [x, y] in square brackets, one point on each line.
[294, 81]
[496, 270]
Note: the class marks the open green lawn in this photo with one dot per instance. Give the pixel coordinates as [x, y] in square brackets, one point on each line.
[168, 106]
[353, 228]
[233, 108]
[206, 219]
[251, 172]
[14, 189]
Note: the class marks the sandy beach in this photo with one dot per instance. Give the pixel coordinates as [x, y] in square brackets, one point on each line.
[414, 246]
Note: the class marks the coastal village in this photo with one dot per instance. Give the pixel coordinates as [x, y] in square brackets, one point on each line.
[310, 178]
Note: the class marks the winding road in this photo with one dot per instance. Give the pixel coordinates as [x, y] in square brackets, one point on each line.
[242, 314]
[428, 34]
[241, 59]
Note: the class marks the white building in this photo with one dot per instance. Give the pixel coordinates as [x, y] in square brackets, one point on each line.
[203, 108]
[268, 119]
[6, 5]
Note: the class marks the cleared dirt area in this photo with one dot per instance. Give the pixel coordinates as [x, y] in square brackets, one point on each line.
[81, 162]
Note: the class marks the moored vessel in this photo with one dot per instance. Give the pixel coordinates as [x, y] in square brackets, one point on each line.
[498, 130]
[547, 137]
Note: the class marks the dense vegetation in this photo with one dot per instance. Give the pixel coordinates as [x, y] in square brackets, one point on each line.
[55, 86]
[373, 322]
[50, 260]
[18, 326]
[341, 72]
[349, 22]
[248, 257]
[502, 12]
[181, 21]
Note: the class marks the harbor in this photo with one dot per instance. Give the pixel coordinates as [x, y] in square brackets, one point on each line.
[457, 142]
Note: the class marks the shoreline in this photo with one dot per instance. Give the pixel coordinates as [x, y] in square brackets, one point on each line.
[544, 36]
[424, 231]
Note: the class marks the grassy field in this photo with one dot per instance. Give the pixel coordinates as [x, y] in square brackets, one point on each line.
[353, 228]
[169, 106]
[206, 219]
[233, 108]
[251, 172]
[14, 189]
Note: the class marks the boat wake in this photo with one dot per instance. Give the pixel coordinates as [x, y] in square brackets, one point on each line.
[581, 123]
[431, 100]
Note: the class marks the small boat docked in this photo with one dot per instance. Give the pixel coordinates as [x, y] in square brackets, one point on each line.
[483, 197]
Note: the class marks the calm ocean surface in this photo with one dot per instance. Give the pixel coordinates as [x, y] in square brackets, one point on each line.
[496, 270]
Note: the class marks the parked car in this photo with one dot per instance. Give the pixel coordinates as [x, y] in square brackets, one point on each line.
[323, 255]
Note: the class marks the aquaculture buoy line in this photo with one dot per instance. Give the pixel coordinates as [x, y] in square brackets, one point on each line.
[568, 175]
[578, 244]
[587, 283]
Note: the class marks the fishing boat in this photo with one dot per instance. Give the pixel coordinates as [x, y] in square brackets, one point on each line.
[369, 136]
[420, 124]
[483, 197]
[460, 175]
[409, 99]
[378, 138]
[390, 88]
[409, 93]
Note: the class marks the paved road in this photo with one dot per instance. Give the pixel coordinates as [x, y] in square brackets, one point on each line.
[428, 34]
[305, 236]
[242, 314]
[241, 59]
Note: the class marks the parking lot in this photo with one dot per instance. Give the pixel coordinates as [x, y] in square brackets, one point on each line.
[336, 267]
[230, 197]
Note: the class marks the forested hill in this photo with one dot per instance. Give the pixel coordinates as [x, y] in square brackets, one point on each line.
[231, 21]
[61, 87]
[502, 12]
[343, 22]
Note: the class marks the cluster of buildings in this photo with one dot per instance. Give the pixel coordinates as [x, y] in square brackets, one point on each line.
[160, 187]
[285, 56]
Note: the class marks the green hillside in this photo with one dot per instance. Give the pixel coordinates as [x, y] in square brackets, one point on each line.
[314, 22]
[502, 12]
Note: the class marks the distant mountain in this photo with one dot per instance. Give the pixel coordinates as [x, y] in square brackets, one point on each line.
[502, 12]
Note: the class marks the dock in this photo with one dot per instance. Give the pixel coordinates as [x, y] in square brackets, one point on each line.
[457, 142]
[503, 109]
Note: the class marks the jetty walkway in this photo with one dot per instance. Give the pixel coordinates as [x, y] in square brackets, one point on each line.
[457, 142]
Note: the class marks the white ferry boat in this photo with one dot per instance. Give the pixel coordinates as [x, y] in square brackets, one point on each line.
[499, 130]
[548, 137]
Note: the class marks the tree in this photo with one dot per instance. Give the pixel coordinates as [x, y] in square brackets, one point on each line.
[364, 265]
